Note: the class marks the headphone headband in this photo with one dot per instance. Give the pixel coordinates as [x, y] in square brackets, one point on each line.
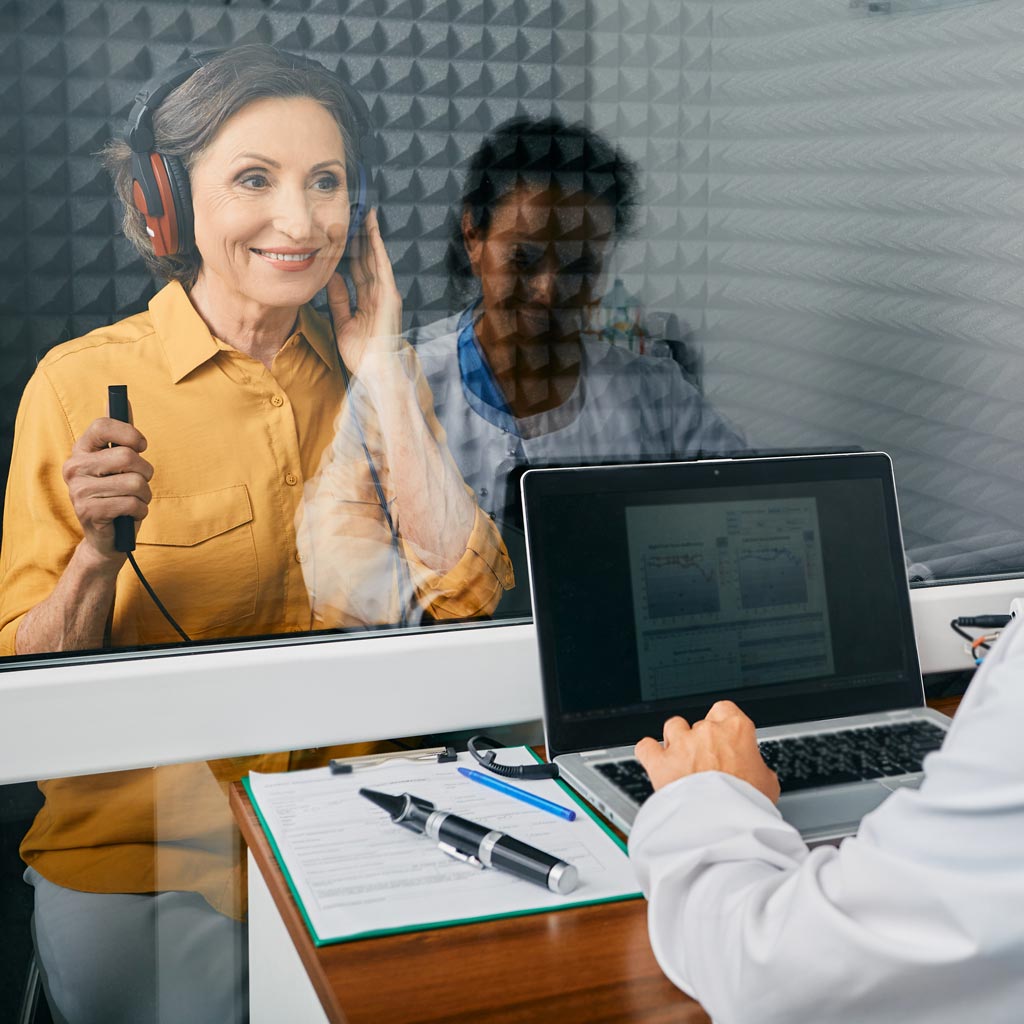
[139, 133]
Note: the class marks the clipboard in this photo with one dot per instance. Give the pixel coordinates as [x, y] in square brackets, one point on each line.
[354, 874]
[426, 755]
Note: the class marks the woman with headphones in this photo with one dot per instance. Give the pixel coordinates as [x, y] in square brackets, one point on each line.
[243, 178]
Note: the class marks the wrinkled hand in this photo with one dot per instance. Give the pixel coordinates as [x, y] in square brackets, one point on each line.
[377, 322]
[723, 742]
[106, 482]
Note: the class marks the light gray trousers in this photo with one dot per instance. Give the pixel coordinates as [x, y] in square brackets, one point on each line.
[163, 958]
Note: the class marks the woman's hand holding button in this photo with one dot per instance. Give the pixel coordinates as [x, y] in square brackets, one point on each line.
[105, 482]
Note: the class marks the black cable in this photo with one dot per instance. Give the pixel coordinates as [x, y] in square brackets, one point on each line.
[984, 621]
[955, 626]
[156, 600]
[978, 622]
[487, 759]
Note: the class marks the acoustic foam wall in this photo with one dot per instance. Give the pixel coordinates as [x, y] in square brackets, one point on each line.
[437, 74]
[832, 199]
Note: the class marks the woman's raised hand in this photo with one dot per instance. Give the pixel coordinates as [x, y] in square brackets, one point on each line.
[376, 324]
[105, 482]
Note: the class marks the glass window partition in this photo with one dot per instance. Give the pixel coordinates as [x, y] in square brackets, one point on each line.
[859, 178]
[616, 231]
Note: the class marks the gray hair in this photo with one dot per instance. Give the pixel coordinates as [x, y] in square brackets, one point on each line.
[192, 114]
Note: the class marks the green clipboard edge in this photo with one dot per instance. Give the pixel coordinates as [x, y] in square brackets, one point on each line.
[428, 926]
[600, 822]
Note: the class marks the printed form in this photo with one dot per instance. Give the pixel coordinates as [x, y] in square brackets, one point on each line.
[355, 873]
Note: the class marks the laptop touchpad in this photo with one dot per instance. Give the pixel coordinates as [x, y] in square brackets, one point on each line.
[836, 809]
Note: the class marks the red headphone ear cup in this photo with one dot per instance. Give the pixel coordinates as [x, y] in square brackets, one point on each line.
[171, 231]
[163, 228]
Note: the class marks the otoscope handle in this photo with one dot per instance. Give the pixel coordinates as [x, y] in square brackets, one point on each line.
[495, 849]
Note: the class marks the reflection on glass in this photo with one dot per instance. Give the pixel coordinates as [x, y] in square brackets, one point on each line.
[241, 404]
[139, 899]
[236, 383]
[541, 366]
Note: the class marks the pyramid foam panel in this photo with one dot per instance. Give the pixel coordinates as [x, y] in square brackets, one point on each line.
[437, 75]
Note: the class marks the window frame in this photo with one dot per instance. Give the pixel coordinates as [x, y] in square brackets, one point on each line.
[144, 710]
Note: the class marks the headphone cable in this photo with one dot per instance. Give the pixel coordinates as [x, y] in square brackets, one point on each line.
[156, 600]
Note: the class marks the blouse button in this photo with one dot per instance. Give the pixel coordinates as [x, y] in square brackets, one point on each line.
[291, 479]
[276, 400]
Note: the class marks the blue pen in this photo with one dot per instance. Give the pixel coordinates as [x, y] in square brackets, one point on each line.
[519, 794]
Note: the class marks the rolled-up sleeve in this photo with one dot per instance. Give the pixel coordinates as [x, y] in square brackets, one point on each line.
[473, 586]
[40, 527]
[356, 571]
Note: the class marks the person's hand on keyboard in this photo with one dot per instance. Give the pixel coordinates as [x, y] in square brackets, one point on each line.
[722, 742]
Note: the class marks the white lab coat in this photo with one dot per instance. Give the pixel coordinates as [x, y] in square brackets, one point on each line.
[920, 917]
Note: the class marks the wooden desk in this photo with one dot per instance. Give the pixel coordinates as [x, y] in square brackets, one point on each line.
[947, 705]
[576, 966]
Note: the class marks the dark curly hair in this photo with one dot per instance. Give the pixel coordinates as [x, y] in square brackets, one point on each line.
[546, 153]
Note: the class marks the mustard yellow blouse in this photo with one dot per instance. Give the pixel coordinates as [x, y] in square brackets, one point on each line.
[232, 444]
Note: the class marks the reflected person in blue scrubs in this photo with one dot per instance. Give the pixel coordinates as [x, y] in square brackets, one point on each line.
[523, 375]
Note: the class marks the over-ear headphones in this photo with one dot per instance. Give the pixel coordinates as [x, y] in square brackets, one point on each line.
[487, 759]
[160, 186]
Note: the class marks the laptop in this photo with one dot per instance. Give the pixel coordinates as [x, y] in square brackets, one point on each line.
[777, 583]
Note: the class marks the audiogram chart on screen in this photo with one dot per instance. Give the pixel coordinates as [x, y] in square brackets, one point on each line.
[727, 593]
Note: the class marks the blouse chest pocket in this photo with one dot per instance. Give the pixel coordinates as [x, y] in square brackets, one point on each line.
[199, 553]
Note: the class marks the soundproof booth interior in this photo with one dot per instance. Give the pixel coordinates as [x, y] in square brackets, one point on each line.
[618, 231]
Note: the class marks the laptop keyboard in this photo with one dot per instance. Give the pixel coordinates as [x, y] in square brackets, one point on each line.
[853, 755]
[824, 759]
[628, 776]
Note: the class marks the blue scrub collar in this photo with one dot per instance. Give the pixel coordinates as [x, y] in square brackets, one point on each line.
[482, 392]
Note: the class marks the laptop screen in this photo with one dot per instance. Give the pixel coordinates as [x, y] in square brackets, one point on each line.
[777, 583]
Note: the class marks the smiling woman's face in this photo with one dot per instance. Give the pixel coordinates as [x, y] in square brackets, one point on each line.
[271, 204]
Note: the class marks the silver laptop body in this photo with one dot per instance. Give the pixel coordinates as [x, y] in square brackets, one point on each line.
[777, 583]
